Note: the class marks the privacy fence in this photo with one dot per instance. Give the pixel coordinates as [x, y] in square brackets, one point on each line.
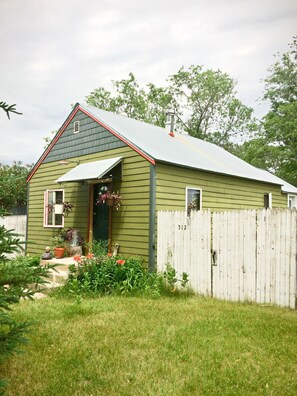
[247, 255]
[16, 223]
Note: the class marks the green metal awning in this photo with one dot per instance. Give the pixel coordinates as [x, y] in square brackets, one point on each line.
[90, 170]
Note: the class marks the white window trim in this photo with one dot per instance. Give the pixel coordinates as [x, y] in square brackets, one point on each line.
[193, 188]
[269, 200]
[292, 197]
[45, 211]
[76, 123]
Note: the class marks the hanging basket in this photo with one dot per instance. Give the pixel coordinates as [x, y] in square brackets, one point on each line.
[110, 202]
[58, 208]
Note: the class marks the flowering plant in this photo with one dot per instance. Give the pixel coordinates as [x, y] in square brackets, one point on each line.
[106, 196]
[67, 208]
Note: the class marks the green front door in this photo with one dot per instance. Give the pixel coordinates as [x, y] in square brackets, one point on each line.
[101, 217]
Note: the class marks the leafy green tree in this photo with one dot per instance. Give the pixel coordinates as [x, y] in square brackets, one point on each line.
[208, 106]
[280, 124]
[13, 190]
[204, 100]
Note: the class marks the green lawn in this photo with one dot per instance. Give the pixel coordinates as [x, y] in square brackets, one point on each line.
[166, 346]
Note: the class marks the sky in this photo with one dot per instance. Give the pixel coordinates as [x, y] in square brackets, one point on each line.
[55, 52]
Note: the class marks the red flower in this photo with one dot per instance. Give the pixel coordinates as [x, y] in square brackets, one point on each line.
[90, 255]
[77, 258]
[109, 254]
[120, 262]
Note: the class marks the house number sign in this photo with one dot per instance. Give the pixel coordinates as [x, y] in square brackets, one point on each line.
[182, 227]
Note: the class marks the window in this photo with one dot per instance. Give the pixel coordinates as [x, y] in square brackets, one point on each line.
[53, 208]
[292, 201]
[268, 201]
[76, 127]
[193, 199]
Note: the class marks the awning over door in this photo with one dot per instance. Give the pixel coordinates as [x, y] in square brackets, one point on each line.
[90, 170]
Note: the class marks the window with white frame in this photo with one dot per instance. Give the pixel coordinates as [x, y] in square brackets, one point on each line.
[292, 201]
[193, 199]
[268, 200]
[53, 208]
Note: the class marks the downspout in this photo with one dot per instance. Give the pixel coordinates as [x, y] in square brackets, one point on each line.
[152, 218]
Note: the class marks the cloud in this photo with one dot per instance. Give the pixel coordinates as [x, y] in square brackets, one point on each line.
[56, 52]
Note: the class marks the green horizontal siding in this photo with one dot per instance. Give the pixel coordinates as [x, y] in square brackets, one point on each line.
[219, 192]
[129, 224]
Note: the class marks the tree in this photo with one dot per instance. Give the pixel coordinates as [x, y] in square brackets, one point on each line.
[208, 106]
[13, 190]
[8, 108]
[19, 278]
[280, 123]
[204, 100]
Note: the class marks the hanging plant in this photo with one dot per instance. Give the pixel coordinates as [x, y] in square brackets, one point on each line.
[63, 208]
[109, 198]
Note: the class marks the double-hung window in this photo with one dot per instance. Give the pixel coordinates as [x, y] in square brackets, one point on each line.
[53, 208]
[193, 199]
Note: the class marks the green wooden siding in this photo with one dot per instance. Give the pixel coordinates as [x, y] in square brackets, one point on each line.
[219, 192]
[129, 225]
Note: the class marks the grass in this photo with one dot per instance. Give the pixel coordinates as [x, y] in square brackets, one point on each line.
[166, 346]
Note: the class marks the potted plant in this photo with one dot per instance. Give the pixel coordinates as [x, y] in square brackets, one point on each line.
[74, 241]
[59, 245]
[63, 208]
[109, 198]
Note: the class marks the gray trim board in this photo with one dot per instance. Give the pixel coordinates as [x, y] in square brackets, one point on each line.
[152, 218]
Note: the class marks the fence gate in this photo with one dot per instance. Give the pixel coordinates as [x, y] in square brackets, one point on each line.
[184, 243]
[247, 255]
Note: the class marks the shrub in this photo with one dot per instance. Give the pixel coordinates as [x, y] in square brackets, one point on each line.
[111, 275]
[19, 278]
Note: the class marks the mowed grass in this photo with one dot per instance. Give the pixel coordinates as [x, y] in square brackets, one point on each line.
[166, 346]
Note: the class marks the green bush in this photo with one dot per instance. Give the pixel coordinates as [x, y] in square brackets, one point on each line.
[110, 275]
[20, 277]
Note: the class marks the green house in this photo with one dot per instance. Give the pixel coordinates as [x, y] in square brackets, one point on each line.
[152, 168]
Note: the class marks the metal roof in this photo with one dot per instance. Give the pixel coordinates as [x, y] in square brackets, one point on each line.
[182, 150]
[90, 170]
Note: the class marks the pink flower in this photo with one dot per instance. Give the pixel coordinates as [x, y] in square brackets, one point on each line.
[109, 254]
[77, 258]
[120, 262]
[90, 255]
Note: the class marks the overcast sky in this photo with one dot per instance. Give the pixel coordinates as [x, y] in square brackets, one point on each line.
[55, 52]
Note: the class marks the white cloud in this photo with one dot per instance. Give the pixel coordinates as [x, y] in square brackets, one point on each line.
[55, 52]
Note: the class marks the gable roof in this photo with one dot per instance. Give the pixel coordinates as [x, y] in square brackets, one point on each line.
[183, 150]
[155, 144]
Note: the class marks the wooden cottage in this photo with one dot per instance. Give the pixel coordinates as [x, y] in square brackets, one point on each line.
[152, 169]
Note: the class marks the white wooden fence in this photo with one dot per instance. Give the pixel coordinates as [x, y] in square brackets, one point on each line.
[16, 223]
[247, 255]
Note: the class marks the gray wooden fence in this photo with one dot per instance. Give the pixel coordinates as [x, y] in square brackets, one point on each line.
[247, 255]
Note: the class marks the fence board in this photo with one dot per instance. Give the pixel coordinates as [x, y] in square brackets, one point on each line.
[253, 253]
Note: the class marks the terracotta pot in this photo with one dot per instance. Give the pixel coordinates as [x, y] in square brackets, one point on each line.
[59, 252]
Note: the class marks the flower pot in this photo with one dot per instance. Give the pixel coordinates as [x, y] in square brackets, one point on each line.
[59, 252]
[58, 209]
[109, 201]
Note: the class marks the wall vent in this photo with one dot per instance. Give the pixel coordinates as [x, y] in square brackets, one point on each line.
[76, 127]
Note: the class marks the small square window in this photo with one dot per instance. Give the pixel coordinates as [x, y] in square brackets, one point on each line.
[76, 127]
[193, 199]
[53, 208]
